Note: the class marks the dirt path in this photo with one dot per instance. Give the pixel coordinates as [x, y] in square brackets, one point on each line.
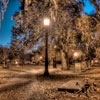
[51, 85]
[27, 90]
[37, 87]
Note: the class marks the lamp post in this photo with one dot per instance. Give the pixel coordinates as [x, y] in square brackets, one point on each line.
[46, 24]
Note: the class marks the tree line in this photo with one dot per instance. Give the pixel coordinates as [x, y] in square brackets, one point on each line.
[69, 30]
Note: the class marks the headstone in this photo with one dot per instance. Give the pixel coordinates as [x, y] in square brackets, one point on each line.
[84, 65]
[73, 86]
[78, 67]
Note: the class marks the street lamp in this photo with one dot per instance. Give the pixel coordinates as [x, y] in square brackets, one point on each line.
[41, 57]
[55, 46]
[46, 23]
[16, 62]
[76, 54]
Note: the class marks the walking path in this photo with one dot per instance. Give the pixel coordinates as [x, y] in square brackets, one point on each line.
[21, 88]
[21, 85]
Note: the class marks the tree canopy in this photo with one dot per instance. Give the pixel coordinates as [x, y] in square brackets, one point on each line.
[68, 28]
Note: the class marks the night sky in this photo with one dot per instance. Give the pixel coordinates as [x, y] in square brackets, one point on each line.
[7, 23]
[13, 6]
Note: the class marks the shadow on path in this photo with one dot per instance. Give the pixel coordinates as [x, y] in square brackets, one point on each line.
[14, 86]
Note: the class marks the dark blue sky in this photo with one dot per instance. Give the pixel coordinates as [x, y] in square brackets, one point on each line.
[13, 6]
[7, 23]
[89, 8]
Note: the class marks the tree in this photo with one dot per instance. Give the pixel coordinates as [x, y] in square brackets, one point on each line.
[88, 27]
[29, 29]
[4, 55]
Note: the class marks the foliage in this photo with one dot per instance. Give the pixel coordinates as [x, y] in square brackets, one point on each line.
[29, 29]
[3, 53]
[68, 29]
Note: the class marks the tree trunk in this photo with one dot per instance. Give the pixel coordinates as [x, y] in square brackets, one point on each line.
[63, 61]
[68, 65]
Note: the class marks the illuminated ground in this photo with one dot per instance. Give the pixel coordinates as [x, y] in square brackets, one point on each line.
[33, 86]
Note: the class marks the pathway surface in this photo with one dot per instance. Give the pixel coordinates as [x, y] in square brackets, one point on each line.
[24, 87]
[21, 85]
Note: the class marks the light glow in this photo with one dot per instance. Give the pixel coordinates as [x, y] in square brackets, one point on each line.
[16, 62]
[55, 46]
[41, 57]
[76, 54]
[46, 21]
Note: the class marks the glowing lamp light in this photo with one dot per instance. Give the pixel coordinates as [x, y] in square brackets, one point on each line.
[55, 46]
[16, 62]
[96, 61]
[41, 57]
[46, 21]
[75, 54]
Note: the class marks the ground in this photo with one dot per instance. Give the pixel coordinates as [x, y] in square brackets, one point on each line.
[28, 83]
[51, 84]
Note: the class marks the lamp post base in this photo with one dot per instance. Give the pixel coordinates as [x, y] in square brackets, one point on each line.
[46, 73]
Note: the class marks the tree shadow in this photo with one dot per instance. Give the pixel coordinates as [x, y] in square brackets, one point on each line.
[14, 86]
[59, 77]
